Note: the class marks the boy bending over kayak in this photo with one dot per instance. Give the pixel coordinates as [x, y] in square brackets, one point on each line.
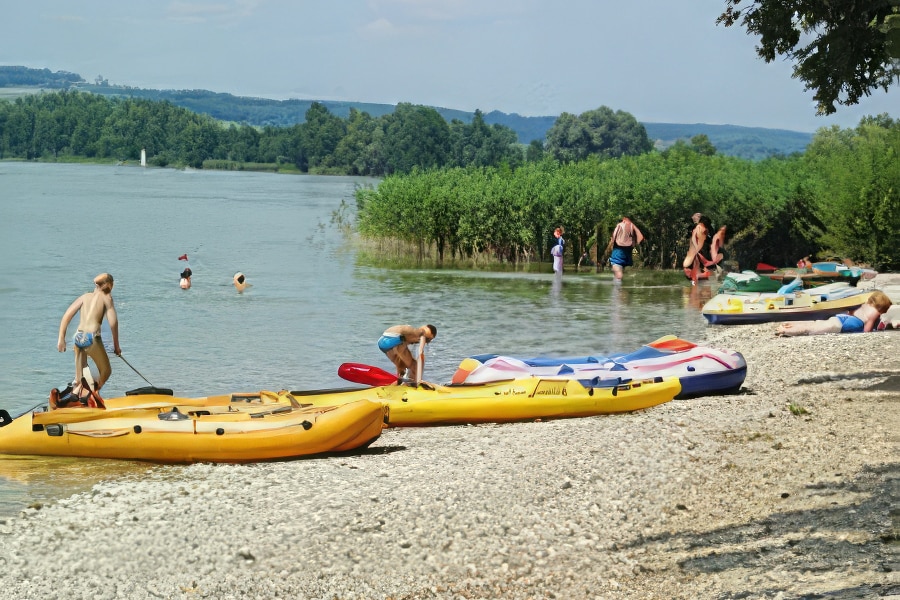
[394, 344]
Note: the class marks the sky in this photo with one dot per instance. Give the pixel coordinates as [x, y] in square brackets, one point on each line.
[663, 61]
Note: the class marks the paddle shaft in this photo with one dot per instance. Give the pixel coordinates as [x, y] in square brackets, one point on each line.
[135, 370]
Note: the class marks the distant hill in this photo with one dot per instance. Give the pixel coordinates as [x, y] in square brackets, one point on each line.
[752, 143]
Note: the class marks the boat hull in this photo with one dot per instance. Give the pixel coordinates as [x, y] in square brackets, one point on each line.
[200, 433]
[701, 370]
[819, 303]
[524, 399]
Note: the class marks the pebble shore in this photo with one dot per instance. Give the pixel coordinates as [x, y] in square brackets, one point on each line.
[790, 489]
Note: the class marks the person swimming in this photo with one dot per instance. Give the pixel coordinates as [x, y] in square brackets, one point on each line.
[240, 282]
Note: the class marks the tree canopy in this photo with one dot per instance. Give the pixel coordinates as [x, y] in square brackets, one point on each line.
[70, 124]
[599, 132]
[842, 50]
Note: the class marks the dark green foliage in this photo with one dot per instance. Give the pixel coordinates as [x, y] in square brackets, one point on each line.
[68, 124]
[745, 142]
[599, 132]
[841, 199]
[859, 187]
[24, 76]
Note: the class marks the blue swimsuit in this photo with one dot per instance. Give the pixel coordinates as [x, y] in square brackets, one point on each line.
[389, 341]
[851, 324]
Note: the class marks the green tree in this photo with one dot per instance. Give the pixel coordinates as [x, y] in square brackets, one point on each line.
[415, 136]
[320, 136]
[842, 50]
[858, 177]
[599, 132]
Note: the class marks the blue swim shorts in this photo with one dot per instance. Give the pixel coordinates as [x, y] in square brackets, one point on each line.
[389, 341]
[621, 256]
[83, 339]
[851, 324]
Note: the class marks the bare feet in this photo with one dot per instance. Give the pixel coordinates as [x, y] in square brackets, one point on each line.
[783, 329]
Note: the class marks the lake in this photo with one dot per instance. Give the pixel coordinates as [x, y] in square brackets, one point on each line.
[312, 304]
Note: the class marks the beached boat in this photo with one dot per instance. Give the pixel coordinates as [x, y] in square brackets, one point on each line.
[814, 274]
[166, 429]
[748, 282]
[702, 370]
[802, 305]
[523, 399]
[843, 270]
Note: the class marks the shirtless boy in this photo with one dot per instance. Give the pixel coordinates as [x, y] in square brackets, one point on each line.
[865, 318]
[93, 306]
[394, 343]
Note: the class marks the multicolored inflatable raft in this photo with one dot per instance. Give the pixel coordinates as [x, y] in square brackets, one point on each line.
[702, 370]
[166, 429]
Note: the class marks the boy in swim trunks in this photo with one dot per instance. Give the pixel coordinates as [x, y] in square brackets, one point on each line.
[394, 343]
[93, 306]
[865, 318]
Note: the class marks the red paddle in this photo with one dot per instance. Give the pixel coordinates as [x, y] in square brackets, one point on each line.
[365, 374]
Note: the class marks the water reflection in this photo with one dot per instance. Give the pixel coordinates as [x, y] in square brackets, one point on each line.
[695, 296]
[556, 288]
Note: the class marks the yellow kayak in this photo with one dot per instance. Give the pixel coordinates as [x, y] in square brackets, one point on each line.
[524, 399]
[183, 430]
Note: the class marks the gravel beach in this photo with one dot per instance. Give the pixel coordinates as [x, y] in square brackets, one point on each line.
[790, 489]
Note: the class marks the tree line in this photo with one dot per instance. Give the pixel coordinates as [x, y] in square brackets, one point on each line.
[467, 191]
[841, 197]
[77, 124]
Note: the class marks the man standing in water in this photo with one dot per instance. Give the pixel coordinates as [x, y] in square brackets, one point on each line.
[93, 306]
[624, 238]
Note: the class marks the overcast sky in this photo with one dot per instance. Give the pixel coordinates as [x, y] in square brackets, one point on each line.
[663, 61]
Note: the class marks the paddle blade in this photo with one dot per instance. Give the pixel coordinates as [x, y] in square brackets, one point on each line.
[365, 374]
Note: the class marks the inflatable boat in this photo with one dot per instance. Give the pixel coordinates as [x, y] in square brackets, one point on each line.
[801, 305]
[521, 399]
[702, 370]
[166, 429]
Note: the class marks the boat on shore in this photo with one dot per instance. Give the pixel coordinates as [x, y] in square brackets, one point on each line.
[702, 370]
[167, 429]
[802, 305]
[522, 399]
[751, 282]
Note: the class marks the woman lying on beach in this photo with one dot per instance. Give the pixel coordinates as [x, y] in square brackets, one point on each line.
[864, 318]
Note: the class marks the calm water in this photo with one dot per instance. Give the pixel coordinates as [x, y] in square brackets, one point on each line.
[311, 307]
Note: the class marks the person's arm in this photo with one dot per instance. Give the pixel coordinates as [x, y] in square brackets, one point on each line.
[871, 320]
[64, 323]
[638, 236]
[113, 319]
[420, 359]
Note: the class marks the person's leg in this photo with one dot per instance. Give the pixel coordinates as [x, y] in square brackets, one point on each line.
[617, 271]
[98, 354]
[80, 363]
[402, 359]
[832, 325]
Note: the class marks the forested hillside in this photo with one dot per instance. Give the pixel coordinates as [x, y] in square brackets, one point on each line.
[731, 140]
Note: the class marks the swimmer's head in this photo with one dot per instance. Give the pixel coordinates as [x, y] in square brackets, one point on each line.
[104, 281]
